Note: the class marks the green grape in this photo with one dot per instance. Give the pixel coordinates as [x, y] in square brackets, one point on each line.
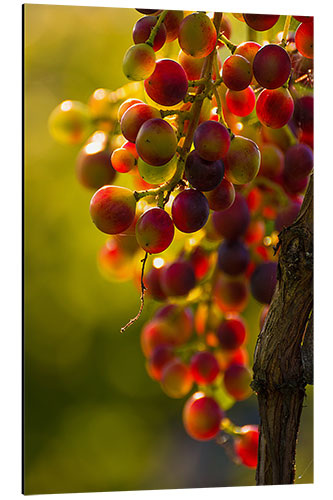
[157, 174]
[70, 122]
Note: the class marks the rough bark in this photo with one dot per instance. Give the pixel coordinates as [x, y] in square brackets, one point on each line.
[279, 359]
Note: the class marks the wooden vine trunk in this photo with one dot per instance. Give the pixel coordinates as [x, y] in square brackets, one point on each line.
[282, 359]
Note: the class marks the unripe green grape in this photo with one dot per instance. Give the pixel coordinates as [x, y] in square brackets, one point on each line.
[70, 122]
[197, 35]
[242, 161]
[139, 62]
[157, 174]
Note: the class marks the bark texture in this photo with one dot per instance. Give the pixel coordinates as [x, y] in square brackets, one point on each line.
[282, 367]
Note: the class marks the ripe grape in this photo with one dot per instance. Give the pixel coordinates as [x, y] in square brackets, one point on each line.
[139, 62]
[112, 209]
[233, 257]
[126, 105]
[287, 215]
[211, 140]
[168, 84]
[231, 293]
[222, 197]
[263, 281]
[242, 102]
[248, 50]
[93, 166]
[197, 35]
[261, 22]
[304, 39]
[298, 161]
[156, 333]
[200, 260]
[130, 146]
[303, 113]
[148, 11]
[180, 320]
[142, 29]
[237, 72]
[201, 174]
[156, 142]
[232, 222]
[242, 161]
[161, 355]
[237, 379]
[246, 445]
[202, 417]
[178, 278]
[231, 333]
[275, 107]
[304, 19]
[122, 160]
[271, 66]
[157, 174]
[172, 23]
[255, 232]
[134, 118]
[154, 230]
[292, 185]
[70, 122]
[204, 367]
[190, 211]
[153, 284]
[176, 379]
[271, 161]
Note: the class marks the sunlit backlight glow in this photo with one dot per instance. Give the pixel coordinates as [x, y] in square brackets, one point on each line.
[158, 262]
[66, 105]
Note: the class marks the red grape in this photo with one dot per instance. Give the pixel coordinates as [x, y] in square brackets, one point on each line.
[168, 84]
[112, 209]
[271, 66]
[233, 257]
[304, 39]
[260, 22]
[246, 445]
[237, 379]
[298, 161]
[161, 355]
[176, 379]
[242, 102]
[93, 167]
[275, 107]
[122, 160]
[237, 72]
[190, 211]
[202, 417]
[233, 222]
[178, 278]
[222, 197]
[211, 140]
[201, 174]
[231, 333]
[263, 281]
[142, 29]
[231, 294]
[134, 117]
[172, 23]
[154, 230]
[204, 367]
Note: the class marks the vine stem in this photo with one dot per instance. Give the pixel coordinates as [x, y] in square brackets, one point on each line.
[155, 29]
[231, 46]
[285, 31]
[142, 297]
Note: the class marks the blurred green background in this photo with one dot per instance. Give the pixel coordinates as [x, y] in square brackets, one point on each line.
[94, 420]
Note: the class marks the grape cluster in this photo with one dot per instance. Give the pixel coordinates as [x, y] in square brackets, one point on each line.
[205, 157]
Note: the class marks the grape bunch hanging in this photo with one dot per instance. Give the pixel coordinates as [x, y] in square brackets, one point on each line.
[197, 164]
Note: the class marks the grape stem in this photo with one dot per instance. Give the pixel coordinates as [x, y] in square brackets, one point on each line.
[142, 300]
[285, 31]
[231, 46]
[155, 29]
